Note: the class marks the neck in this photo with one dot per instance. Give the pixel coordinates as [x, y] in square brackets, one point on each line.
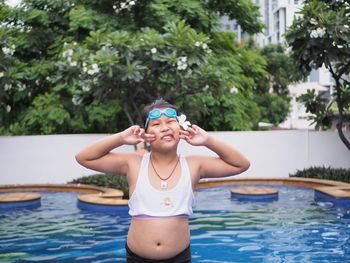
[164, 157]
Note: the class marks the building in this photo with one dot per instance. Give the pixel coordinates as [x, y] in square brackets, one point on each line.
[277, 16]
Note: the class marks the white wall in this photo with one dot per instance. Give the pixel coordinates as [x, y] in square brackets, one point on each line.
[50, 159]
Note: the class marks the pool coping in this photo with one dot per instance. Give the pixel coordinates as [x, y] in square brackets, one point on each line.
[109, 196]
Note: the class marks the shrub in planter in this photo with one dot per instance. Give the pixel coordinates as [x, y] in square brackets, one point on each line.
[105, 180]
[328, 173]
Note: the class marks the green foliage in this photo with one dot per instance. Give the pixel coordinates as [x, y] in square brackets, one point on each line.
[317, 105]
[93, 64]
[105, 180]
[321, 35]
[326, 173]
[271, 92]
[46, 115]
[229, 112]
[273, 107]
[281, 71]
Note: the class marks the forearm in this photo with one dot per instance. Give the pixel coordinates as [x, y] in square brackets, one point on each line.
[227, 153]
[100, 148]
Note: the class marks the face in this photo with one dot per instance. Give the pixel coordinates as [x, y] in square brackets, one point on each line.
[167, 131]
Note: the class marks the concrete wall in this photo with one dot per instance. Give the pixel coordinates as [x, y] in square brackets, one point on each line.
[50, 159]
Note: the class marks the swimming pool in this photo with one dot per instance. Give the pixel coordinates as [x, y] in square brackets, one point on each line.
[293, 229]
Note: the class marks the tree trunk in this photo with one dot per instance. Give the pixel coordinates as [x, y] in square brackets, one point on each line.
[340, 109]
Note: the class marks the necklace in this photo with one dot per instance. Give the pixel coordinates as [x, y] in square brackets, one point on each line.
[163, 182]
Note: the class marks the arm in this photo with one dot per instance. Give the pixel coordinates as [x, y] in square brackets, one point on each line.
[229, 161]
[99, 157]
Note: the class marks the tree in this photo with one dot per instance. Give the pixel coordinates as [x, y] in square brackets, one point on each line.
[272, 93]
[99, 61]
[321, 36]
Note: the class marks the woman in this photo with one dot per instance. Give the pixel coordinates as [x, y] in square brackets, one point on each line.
[161, 182]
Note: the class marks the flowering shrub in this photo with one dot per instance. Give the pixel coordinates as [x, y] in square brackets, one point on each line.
[321, 38]
[87, 61]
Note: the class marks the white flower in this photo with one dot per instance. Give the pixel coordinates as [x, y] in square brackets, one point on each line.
[86, 88]
[206, 88]
[123, 5]
[181, 63]
[318, 33]
[8, 51]
[68, 53]
[7, 87]
[204, 46]
[1, 74]
[21, 87]
[73, 64]
[94, 69]
[313, 21]
[131, 3]
[76, 99]
[233, 90]
[181, 66]
[153, 50]
[197, 44]
[183, 123]
[8, 108]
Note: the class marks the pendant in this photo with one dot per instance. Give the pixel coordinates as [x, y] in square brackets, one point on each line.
[163, 184]
[167, 201]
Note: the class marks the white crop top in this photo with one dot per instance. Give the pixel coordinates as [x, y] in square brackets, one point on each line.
[149, 201]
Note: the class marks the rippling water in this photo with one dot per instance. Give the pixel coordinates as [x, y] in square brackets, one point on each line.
[293, 229]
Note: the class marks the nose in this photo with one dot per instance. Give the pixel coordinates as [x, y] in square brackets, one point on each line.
[164, 127]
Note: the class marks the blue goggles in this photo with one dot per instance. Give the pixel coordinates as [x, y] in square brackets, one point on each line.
[156, 113]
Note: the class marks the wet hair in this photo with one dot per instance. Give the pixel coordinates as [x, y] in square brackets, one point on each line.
[158, 103]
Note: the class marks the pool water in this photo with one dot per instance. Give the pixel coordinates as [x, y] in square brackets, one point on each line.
[293, 229]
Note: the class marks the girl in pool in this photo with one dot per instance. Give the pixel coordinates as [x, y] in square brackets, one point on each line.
[161, 182]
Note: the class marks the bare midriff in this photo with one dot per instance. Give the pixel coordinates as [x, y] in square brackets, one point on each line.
[159, 238]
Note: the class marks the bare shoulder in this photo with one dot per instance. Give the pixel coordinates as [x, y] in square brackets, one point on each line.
[194, 163]
[134, 162]
[133, 158]
[197, 160]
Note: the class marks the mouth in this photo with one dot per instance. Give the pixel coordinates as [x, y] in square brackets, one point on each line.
[167, 137]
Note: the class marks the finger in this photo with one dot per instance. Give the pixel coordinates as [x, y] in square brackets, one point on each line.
[150, 138]
[140, 140]
[135, 129]
[183, 136]
[148, 135]
[192, 131]
[182, 132]
[141, 132]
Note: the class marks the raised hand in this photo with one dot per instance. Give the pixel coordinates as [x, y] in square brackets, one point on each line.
[195, 136]
[135, 134]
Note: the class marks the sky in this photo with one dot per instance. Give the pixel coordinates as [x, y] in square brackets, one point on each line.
[13, 2]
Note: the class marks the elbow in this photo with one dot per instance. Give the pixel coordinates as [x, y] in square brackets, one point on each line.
[79, 159]
[245, 166]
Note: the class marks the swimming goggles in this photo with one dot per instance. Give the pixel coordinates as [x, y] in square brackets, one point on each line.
[156, 113]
